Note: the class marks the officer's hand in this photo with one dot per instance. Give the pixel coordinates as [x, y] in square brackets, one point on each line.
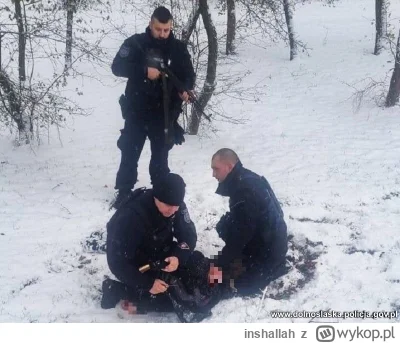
[173, 264]
[153, 73]
[159, 286]
[184, 96]
[214, 274]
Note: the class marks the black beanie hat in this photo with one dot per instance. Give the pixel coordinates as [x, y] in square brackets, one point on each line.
[170, 189]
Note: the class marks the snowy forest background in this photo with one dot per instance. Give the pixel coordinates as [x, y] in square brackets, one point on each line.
[306, 92]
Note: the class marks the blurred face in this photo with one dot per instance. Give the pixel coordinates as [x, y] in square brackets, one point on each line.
[160, 30]
[165, 209]
[220, 168]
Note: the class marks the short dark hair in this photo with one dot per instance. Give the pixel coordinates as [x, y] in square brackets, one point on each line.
[162, 14]
[227, 154]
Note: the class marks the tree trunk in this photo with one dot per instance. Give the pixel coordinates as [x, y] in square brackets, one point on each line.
[17, 113]
[191, 23]
[1, 36]
[209, 84]
[71, 8]
[289, 22]
[21, 40]
[380, 25]
[231, 27]
[394, 89]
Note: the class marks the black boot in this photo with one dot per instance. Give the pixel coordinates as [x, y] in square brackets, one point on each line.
[113, 292]
[121, 198]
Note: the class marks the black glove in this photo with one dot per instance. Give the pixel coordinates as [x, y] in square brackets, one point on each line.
[178, 134]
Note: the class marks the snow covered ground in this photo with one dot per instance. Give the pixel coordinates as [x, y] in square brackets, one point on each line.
[336, 172]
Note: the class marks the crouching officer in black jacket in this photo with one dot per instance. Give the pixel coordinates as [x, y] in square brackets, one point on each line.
[254, 231]
[152, 225]
[152, 103]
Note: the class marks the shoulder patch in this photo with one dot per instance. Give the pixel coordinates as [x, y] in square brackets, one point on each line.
[183, 246]
[186, 216]
[124, 51]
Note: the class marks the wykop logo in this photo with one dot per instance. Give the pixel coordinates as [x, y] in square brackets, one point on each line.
[325, 333]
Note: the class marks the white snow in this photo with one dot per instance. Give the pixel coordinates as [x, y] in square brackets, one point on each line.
[324, 161]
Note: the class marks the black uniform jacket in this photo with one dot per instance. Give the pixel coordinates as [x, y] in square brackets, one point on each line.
[138, 234]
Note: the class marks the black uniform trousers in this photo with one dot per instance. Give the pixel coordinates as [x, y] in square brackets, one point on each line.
[131, 143]
[256, 277]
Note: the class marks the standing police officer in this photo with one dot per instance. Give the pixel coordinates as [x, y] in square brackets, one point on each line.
[151, 102]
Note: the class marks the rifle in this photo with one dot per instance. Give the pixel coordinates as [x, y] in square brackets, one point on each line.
[155, 61]
[168, 128]
[181, 88]
[187, 307]
[156, 265]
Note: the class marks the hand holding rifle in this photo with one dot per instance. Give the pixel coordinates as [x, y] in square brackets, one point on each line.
[184, 96]
[170, 264]
[153, 73]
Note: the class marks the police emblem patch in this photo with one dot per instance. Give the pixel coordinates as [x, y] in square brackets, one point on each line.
[183, 246]
[186, 216]
[124, 51]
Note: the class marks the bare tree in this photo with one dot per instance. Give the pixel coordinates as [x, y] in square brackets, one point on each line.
[230, 27]
[33, 102]
[274, 18]
[287, 7]
[209, 83]
[71, 9]
[188, 29]
[10, 101]
[21, 39]
[394, 89]
[23, 121]
[380, 24]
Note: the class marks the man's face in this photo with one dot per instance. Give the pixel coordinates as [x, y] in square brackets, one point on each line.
[165, 209]
[220, 168]
[160, 30]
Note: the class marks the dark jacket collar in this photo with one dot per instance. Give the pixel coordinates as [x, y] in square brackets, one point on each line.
[231, 182]
[155, 42]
